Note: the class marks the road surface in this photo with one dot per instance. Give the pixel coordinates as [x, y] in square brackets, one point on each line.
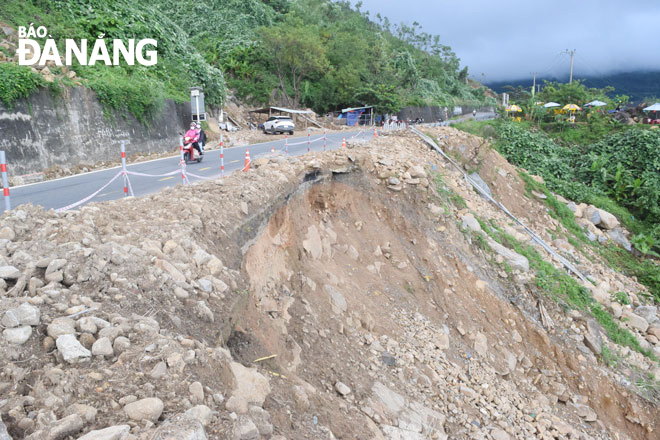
[62, 192]
[58, 193]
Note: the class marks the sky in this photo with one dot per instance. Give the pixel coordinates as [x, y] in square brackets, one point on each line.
[509, 39]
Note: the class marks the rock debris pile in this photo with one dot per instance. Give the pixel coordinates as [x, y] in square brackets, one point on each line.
[334, 295]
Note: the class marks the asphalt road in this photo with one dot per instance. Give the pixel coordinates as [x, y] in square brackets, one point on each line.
[65, 191]
[62, 192]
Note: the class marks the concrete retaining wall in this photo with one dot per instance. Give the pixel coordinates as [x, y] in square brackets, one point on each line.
[71, 129]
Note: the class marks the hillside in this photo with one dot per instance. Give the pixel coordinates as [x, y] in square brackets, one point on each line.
[318, 54]
[639, 86]
[366, 293]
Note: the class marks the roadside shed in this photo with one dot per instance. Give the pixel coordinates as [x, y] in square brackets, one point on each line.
[295, 114]
[358, 115]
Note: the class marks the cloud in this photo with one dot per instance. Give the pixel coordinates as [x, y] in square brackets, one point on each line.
[510, 39]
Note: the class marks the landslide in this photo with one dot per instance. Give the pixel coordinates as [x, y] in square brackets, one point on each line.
[334, 295]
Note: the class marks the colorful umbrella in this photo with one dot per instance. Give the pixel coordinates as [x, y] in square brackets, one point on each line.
[595, 103]
[571, 107]
[514, 108]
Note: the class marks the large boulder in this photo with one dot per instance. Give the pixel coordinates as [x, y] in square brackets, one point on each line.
[71, 350]
[469, 222]
[145, 409]
[181, 427]
[607, 220]
[616, 235]
[514, 259]
[592, 214]
[117, 432]
[249, 385]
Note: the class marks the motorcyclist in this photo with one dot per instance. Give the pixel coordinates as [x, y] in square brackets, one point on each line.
[202, 139]
[192, 135]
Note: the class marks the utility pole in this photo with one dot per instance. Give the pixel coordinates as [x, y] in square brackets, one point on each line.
[534, 83]
[572, 54]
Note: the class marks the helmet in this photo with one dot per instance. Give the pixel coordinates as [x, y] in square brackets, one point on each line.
[192, 125]
[198, 125]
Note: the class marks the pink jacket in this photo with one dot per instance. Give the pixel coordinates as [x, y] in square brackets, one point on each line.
[192, 134]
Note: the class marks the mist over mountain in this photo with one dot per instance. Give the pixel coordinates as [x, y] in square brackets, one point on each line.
[638, 85]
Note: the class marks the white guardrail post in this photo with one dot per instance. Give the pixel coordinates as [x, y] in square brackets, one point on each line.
[123, 168]
[5, 181]
[182, 162]
[222, 157]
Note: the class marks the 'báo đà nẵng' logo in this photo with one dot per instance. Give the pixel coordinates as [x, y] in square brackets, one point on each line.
[30, 51]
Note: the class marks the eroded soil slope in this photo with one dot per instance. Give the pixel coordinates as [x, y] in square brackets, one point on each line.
[349, 294]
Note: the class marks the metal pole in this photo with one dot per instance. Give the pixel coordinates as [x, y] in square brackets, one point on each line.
[324, 139]
[197, 105]
[286, 144]
[308, 140]
[123, 167]
[182, 162]
[222, 157]
[5, 181]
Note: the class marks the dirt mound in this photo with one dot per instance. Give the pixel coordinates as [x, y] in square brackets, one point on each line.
[335, 295]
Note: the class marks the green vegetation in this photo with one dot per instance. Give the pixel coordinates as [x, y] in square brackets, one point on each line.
[565, 289]
[599, 162]
[446, 194]
[17, 82]
[610, 359]
[621, 297]
[646, 271]
[138, 89]
[320, 54]
[626, 167]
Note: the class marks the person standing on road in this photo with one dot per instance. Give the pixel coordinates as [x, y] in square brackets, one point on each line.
[474, 113]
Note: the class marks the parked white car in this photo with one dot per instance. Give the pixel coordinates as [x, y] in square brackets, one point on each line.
[279, 124]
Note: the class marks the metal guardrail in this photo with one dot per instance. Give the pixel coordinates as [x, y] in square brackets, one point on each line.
[567, 264]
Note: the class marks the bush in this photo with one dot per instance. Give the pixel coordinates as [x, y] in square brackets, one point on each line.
[17, 82]
[138, 94]
[626, 166]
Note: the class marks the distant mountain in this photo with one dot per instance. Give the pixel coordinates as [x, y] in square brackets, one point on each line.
[638, 85]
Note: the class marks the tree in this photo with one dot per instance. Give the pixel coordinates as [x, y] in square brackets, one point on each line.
[297, 53]
[383, 97]
[573, 93]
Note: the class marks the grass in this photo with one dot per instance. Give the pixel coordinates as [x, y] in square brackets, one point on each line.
[609, 358]
[621, 297]
[646, 270]
[446, 194]
[565, 289]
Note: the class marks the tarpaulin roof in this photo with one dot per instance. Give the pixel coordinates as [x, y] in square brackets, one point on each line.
[351, 109]
[551, 104]
[653, 108]
[281, 109]
[595, 103]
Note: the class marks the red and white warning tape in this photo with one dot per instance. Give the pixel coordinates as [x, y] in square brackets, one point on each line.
[136, 173]
[80, 202]
[182, 170]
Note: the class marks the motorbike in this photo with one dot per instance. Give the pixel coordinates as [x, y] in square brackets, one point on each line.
[190, 153]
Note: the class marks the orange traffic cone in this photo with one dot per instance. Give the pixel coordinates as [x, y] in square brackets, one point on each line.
[247, 160]
[343, 142]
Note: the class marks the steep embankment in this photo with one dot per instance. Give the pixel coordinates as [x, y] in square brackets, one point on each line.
[347, 294]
